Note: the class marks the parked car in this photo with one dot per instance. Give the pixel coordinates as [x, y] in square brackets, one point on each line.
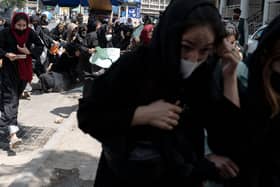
[253, 41]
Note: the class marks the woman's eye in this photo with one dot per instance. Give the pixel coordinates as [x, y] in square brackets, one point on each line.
[186, 47]
[206, 50]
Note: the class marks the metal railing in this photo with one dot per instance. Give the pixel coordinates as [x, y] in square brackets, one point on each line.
[228, 10]
[255, 21]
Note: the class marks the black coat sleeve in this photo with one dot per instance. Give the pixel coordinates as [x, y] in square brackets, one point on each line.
[2, 43]
[108, 112]
[92, 40]
[224, 122]
[228, 130]
[47, 40]
[37, 46]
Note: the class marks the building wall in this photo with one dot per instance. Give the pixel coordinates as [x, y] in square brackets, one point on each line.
[153, 7]
[233, 2]
[255, 6]
[273, 10]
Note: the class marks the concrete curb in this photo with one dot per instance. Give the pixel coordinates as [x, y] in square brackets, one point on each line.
[26, 177]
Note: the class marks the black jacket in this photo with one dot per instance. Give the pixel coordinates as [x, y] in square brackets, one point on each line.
[133, 82]
[263, 130]
[252, 141]
[139, 78]
[8, 43]
[56, 34]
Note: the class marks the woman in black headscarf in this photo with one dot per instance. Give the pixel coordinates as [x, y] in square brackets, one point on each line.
[145, 109]
[18, 45]
[255, 137]
[264, 110]
[58, 32]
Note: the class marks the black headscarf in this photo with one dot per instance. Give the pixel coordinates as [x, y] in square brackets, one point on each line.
[82, 29]
[256, 63]
[167, 35]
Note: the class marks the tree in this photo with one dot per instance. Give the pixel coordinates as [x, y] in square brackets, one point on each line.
[12, 3]
[9, 6]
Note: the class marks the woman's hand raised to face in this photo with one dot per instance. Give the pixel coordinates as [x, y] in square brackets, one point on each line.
[230, 59]
[230, 55]
[159, 114]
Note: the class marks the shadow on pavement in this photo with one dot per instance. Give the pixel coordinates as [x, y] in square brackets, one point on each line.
[64, 112]
[76, 89]
[61, 169]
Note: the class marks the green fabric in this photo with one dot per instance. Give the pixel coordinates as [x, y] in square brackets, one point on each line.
[137, 32]
[242, 73]
[101, 53]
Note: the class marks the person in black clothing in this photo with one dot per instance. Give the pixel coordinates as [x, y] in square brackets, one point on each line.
[126, 33]
[240, 25]
[58, 32]
[116, 35]
[80, 19]
[71, 32]
[86, 43]
[68, 63]
[63, 74]
[145, 108]
[16, 72]
[2, 22]
[101, 30]
[44, 20]
[44, 34]
[147, 20]
[253, 141]
[40, 27]
[7, 23]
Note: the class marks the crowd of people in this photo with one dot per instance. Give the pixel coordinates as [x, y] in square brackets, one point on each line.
[59, 57]
[180, 81]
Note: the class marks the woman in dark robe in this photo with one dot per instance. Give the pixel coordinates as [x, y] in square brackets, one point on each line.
[18, 45]
[144, 108]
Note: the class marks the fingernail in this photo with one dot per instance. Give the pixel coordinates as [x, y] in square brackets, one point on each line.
[170, 127]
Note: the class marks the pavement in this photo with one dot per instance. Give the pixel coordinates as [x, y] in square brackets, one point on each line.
[55, 151]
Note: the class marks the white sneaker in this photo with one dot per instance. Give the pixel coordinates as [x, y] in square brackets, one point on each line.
[14, 141]
[13, 129]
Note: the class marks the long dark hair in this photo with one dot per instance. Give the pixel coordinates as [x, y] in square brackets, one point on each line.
[262, 98]
[271, 95]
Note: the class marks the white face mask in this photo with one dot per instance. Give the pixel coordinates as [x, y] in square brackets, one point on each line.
[108, 37]
[188, 67]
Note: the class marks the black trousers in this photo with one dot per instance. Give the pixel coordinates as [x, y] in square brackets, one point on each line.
[11, 90]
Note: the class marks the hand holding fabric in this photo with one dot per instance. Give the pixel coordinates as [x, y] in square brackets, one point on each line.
[91, 50]
[11, 56]
[228, 169]
[23, 49]
[159, 114]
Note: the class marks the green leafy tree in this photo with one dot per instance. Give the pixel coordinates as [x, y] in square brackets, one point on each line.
[12, 3]
[8, 6]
